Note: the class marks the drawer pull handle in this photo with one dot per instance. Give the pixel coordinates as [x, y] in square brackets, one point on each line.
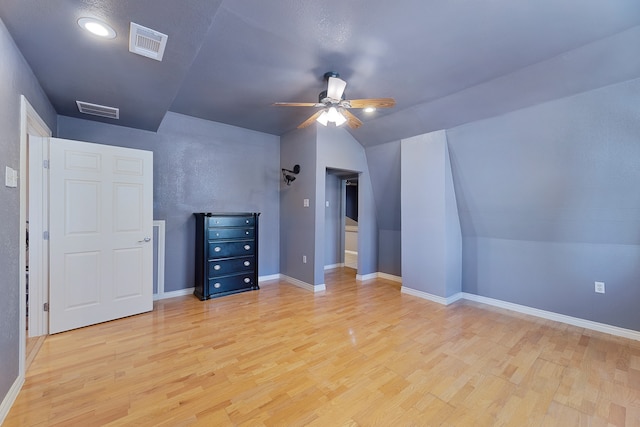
[217, 249]
[247, 247]
[217, 234]
[217, 285]
[247, 263]
[246, 221]
[216, 267]
[246, 232]
[247, 280]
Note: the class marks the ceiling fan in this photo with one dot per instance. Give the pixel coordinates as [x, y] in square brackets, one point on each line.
[334, 108]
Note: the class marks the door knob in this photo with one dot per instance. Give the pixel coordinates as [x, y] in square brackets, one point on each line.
[145, 240]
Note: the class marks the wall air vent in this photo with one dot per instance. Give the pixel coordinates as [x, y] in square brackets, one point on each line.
[98, 110]
[147, 42]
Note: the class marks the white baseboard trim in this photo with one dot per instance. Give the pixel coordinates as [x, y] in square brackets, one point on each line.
[549, 315]
[351, 252]
[332, 266]
[188, 291]
[173, 294]
[435, 298]
[304, 285]
[390, 277]
[362, 277]
[268, 278]
[523, 309]
[11, 396]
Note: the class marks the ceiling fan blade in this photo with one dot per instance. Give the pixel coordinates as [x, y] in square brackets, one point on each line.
[310, 120]
[297, 104]
[373, 102]
[335, 90]
[352, 120]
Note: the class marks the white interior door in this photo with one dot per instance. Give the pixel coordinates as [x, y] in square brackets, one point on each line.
[100, 231]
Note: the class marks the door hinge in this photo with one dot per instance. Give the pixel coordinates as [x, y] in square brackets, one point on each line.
[45, 307]
[45, 164]
[45, 235]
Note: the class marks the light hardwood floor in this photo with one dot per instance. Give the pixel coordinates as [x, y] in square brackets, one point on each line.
[351, 259]
[359, 354]
[32, 347]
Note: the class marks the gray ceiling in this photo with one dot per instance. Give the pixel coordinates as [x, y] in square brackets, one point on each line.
[445, 62]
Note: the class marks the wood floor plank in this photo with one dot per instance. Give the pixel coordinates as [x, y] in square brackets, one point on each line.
[357, 354]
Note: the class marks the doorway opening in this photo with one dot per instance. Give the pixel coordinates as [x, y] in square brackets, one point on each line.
[341, 219]
[351, 223]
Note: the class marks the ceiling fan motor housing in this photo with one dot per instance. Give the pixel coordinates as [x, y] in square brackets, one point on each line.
[322, 97]
[330, 74]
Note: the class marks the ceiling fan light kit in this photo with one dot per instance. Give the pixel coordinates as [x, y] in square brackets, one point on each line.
[323, 118]
[331, 114]
[335, 109]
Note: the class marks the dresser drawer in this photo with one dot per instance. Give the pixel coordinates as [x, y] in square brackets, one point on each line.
[230, 249]
[230, 221]
[231, 283]
[230, 233]
[224, 267]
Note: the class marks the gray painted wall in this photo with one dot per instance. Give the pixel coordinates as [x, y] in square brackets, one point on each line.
[16, 78]
[549, 203]
[337, 149]
[318, 149]
[431, 236]
[297, 223]
[557, 276]
[200, 166]
[384, 166]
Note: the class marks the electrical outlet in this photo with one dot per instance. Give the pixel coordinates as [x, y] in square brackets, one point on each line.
[305, 203]
[600, 287]
[304, 259]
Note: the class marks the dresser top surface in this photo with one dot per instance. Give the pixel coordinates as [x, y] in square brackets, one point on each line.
[211, 214]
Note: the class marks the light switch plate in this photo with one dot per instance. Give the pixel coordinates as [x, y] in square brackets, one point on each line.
[10, 177]
[305, 203]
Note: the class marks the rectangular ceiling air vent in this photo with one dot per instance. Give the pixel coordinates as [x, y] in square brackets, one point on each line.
[98, 110]
[147, 42]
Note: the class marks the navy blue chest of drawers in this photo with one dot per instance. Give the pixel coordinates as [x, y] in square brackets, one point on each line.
[226, 254]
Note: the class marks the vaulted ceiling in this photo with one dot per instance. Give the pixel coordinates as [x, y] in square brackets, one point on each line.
[445, 62]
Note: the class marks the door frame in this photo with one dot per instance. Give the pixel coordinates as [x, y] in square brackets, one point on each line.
[38, 216]
[30, 122]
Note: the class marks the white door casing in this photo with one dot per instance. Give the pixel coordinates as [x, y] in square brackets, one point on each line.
[30, 124]
[38, 225]
[100, 231]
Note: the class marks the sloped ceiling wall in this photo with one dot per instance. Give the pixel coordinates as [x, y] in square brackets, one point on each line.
[384, 164]
[564, 171]
[445, 62]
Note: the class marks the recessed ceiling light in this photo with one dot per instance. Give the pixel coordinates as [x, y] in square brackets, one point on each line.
[370, 109]
[97, 27]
